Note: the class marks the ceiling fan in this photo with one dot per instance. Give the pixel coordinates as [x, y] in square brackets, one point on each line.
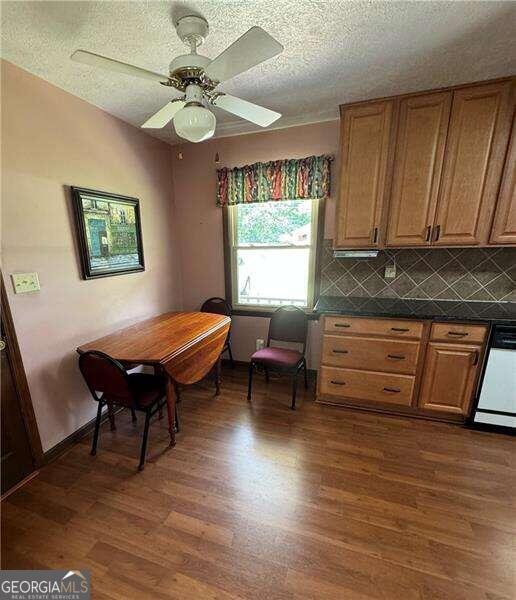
[198, 77]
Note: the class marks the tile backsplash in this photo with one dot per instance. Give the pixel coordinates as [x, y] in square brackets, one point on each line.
[437, 273]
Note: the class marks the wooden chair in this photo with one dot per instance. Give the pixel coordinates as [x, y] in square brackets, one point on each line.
[219, 306]
[111, 385]
[288, 324]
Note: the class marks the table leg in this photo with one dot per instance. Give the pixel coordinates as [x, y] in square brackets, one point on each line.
[217, 376]
[171, 410]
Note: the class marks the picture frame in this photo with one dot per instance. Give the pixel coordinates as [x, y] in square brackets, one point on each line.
[109, 233]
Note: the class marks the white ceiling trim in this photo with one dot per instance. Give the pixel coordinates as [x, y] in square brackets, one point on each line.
[231, 129]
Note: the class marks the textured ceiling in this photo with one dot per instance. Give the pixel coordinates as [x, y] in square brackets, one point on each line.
[335, 52]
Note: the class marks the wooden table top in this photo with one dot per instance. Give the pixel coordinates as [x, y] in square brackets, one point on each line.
[158, 339]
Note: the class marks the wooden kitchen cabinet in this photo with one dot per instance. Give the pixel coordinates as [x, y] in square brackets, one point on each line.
[425, 169]
[365, 155]
[504, 225]
[473, 163]
[421, 140]
[450, 373]
[413, 367]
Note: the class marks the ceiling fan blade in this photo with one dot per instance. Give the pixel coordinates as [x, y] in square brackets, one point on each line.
[96, 60]
[252, 48]
[164, 115]
[247, 110]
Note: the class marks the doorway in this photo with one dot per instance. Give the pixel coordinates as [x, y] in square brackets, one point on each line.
[21, 451]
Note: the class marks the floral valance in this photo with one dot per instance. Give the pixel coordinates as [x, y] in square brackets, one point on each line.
[290, 179]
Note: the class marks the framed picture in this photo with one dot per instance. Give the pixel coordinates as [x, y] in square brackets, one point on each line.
[109, 233]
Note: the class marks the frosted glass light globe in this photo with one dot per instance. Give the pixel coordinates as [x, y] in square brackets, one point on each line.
[195, 123]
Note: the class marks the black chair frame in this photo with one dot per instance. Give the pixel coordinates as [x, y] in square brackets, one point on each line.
[294, 370]
[149, 411]
[228, 309]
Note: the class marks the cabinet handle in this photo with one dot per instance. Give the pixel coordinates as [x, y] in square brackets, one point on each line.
[428, 233]
[375, 235]
[400, 329]
[389, 389]
[458, 333]
[342, 325]
[396, 356]
[337, 382]
[340, 351]
[476, 356]
[437, 232]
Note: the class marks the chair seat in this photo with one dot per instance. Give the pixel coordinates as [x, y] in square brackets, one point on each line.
[147, 388]
[281, 357]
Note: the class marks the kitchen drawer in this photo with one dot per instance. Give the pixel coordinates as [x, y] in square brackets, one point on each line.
[398, 328]
[393, 356]
[385, 388]
[456, 332]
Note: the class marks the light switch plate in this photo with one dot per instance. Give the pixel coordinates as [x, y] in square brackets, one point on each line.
[390, 271]
[25, 283]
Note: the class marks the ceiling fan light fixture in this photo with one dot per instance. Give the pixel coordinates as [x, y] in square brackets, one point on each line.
[195, 123]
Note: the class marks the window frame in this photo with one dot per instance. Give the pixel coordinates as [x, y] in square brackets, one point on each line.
[230, 273]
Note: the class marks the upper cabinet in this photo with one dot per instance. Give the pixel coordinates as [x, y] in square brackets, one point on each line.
[504, 225]
[425, 169]
[475, 152]
[365, 147]
[421, 140]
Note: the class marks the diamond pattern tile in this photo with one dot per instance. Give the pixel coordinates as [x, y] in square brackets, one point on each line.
[483, 274]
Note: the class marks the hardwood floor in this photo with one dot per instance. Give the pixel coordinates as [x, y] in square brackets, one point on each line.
[259, 502]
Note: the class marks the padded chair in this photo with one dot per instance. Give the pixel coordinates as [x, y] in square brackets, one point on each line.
[111, 385]
[288, 324]
[219, 306]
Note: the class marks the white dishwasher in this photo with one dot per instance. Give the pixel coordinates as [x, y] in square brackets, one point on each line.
[497, 398]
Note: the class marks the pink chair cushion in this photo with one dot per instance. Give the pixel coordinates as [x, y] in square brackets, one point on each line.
[277, 356]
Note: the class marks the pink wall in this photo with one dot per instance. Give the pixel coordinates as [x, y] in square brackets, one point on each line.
[51, 139]
[200, 234]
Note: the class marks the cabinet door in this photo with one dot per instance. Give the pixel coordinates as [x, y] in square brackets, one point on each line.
[365, 142]
[504, 225]
[421, 139]
[449, 377]
[475, 151]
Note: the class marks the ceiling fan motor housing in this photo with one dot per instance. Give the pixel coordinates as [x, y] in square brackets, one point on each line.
[189, 68]
[192, 30]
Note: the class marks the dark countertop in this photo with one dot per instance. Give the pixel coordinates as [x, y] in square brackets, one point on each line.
[442, 310]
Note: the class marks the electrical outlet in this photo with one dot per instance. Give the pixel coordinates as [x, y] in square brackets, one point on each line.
[25, 283]
[390, 272]
[259, 344]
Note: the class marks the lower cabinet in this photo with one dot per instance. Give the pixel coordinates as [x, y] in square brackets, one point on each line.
[449, 377]
[372, 386]
[419, 368]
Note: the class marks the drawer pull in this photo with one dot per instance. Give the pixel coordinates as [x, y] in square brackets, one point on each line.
[396, 356]
[394, 390]
[458, 333]
[342, 325]
[400, 329]
[338, 382]
[340, 351]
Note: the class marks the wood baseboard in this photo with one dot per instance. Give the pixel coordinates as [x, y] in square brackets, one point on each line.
[19, 485]
[389, 411]
[69, 441]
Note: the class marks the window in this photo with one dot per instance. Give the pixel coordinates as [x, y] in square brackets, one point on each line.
[272, 251]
